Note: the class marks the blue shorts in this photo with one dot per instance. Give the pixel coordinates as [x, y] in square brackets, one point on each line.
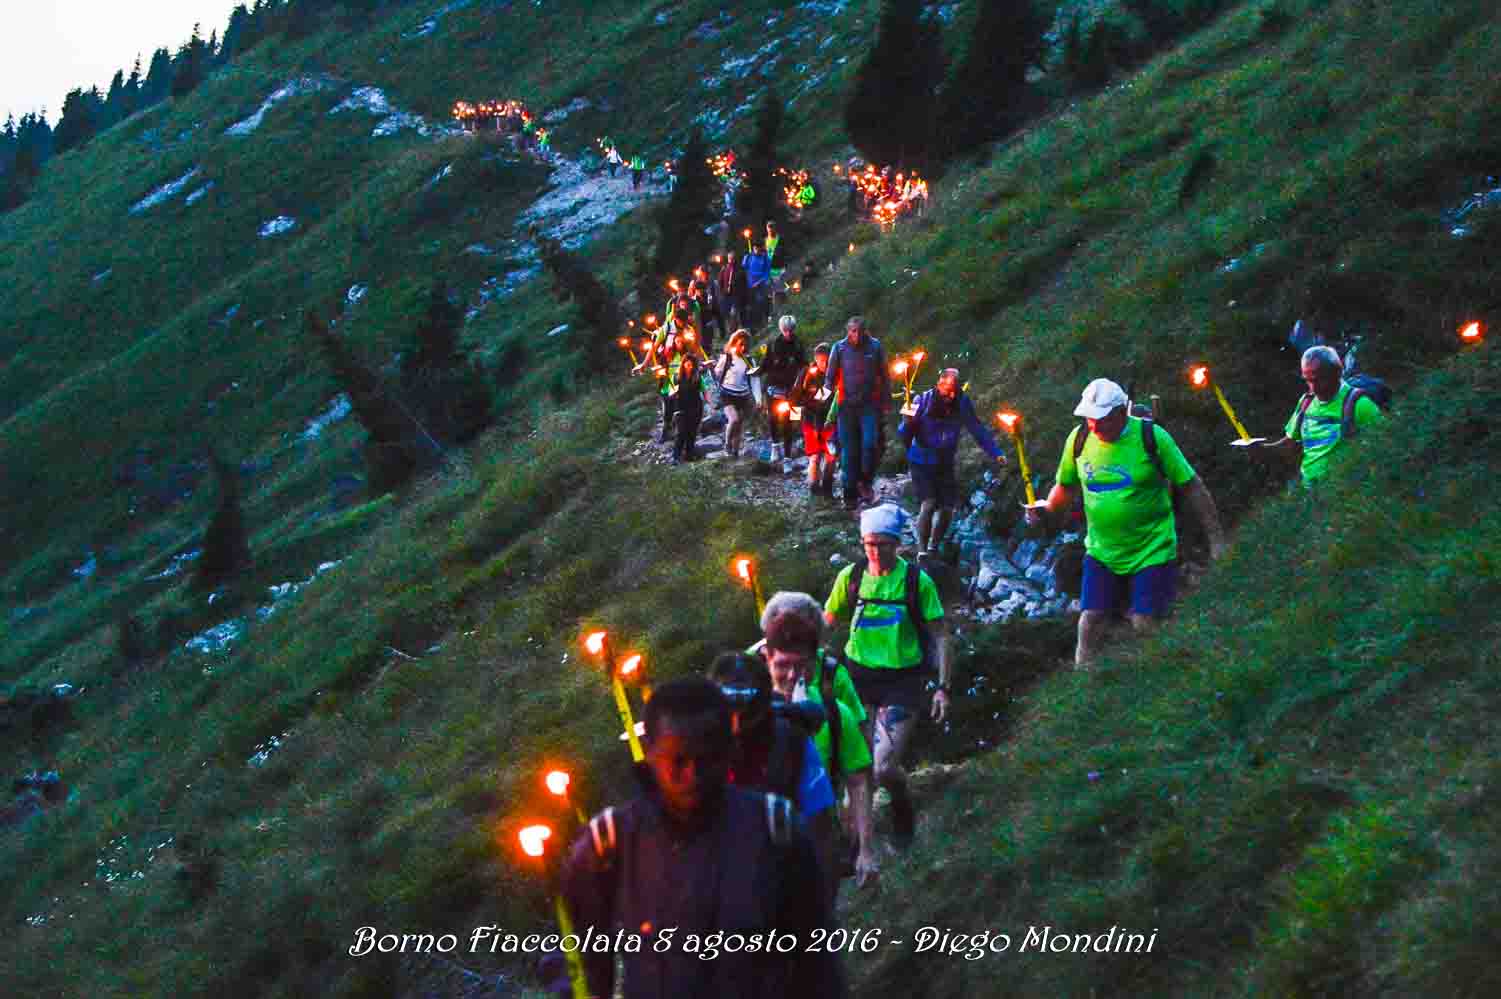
[1149, 592]
[935, 482]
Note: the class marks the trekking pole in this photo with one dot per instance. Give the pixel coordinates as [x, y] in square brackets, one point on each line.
[1198, 376]
[1013, 424]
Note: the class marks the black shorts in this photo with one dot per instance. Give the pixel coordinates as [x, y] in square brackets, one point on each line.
[936, 482]
[879, 688]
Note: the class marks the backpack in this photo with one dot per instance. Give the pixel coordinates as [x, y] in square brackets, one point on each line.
[784, 765]
[1380, 394]
[909, 600]
[1148, 443]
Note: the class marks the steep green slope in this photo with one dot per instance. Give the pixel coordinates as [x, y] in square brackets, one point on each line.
[1287, 779]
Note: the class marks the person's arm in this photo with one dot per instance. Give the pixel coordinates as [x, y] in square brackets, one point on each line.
[1197, 495]
[980, 432]
[802, 907]
[1060, 498]
[883, 381]
[862, 817]
[588, 889]
[835, 353]
[939, 632]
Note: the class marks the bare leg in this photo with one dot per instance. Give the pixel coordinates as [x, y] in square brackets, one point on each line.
[1092, 627]
[925, 523]
[940, 527]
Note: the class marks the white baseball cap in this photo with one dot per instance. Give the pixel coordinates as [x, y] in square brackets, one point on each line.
[1101, 397]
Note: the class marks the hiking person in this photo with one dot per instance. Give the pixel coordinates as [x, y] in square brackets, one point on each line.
[638, 169]
[774, 750]
[897, 635]
[664, 356]
[818, 430]
[713, 305]
[734, 290]
[758, 282]
[1131, 541]
[690, 409]
[613, 158]
[857, 376]
[732, 373]
[793, 626]
[932, 436]
[783, 365]
[1332, 412]
[692, 855]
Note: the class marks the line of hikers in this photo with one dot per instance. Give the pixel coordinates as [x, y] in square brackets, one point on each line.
[759, 778]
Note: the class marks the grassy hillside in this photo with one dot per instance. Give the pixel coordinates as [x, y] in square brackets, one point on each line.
[1286, 784]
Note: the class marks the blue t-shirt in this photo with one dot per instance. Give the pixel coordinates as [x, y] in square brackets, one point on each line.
[814, 792]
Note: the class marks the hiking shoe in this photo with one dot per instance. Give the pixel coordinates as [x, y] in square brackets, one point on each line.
[903, 820]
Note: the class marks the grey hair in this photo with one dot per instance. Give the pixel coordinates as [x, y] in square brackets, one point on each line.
[787, 323]
[1322, 356]
[798, 605]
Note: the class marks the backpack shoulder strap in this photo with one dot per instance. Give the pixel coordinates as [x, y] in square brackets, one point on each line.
[913, 595]
[1080, 438]
[835, 719]
[1303, 405]
[779, 819]
[785, 764]
[1149, 444]
[602, 832]
[1347, 418]
[852, 589]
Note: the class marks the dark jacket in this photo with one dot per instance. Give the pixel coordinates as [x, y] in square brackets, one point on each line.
[734, 286]
[813, 398]
[932, 431]
[730, 875]
[785, 360]
[872, 389]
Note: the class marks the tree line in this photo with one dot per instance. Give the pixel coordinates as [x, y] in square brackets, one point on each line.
[27, 144]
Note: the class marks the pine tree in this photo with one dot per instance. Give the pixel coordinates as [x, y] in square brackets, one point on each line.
[226, 545]
[889, 115]
[76, 124]
[158, 78]
[573, 281]
[393, 453]
[681, 242]
[191, 65]
[986, 96]
[761, 199]
[235, 38]
[449, 395]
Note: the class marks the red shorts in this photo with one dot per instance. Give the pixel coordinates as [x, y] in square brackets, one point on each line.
[816, 442]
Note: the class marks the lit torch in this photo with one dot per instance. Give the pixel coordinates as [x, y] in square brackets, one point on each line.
[744, 569]
[534, 846]
[1472, 333]
[597, 644]
[625, 344]
[900, 369]
[1013, 424]
[747, 235]
[558, 783]
[1198, 376]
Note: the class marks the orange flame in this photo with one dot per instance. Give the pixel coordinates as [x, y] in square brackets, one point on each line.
[784, 407]
[1009, 420]
[744, 568]
[917, 357]
[630, 664]
[558, 781]
[674, 285]
[534, 839]
[651, 320]
[624, 343]
[1199, 375]
[595, 643]
[899, 367]
[645, 345]
[1473, 333]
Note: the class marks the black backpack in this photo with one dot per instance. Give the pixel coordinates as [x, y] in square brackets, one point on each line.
[1148, 443]
[909, 600]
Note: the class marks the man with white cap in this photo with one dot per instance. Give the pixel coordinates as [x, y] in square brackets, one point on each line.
[897, 637]
[1128, 468]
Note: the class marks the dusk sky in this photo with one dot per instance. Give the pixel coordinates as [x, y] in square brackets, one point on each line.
[48, 47]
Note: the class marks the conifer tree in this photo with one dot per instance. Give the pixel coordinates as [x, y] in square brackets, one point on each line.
[681, 242]
[761, 199]
[450, 396]
[573, 281]
[226, 545]
[986, 96]
[76, 124]
[191, 65]
[158, 78]
[889, 115]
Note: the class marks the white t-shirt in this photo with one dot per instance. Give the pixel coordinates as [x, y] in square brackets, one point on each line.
[736, 378]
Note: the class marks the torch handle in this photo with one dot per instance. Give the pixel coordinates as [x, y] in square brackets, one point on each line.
[577, 981]
[1225, 405]
[634, 362]
[760, 600]
[1021, 460]
[623, 705]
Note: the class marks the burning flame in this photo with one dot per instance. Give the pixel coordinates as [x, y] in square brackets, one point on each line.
[674, 285]
[558, 781]
[917, 357]
[689, 335]
[651, 320]
[534, 840]
[1473, 333]
[630, 664]
[899, 367]
[744, 568]
[1199, 376]
[645, 345]
[624, 342]
[784, 407]
[595, 643]
[1009, 420]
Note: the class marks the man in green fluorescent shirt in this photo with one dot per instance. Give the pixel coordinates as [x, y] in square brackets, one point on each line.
[800, 670]
[897, 634]
[1330, 414]
[1131, 545]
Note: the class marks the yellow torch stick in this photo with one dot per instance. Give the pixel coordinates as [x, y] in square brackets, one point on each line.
[1198, 376]
[1012, 423]
[626, 343]
[534, 844]
[917, 360]
[598, 644]
[745, 569]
